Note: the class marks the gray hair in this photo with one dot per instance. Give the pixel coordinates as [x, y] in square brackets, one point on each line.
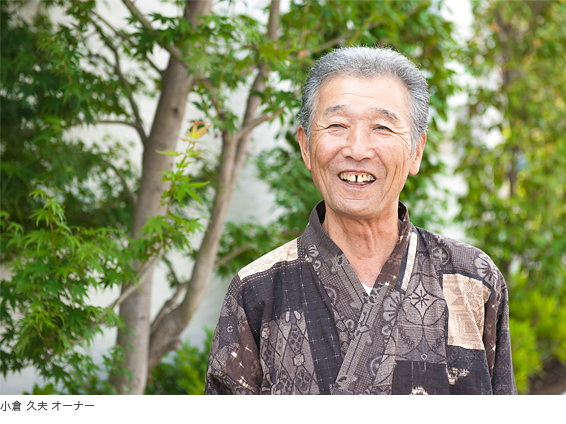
[369, 62]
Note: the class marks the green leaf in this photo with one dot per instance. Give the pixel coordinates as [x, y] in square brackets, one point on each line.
[168, 152]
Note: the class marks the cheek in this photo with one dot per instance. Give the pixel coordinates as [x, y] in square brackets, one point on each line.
[322, 157]
[394, 162]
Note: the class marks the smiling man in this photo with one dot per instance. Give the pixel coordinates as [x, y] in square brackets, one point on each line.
[364, 302]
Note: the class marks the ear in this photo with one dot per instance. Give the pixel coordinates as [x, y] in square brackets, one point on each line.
[303, 143]
[417, 156]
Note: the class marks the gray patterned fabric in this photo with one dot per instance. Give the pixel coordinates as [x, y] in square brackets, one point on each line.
[298, 321]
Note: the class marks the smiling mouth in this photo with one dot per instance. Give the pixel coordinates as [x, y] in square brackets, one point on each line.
[358, 179]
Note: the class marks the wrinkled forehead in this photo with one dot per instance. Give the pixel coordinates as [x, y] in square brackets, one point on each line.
[329, 88]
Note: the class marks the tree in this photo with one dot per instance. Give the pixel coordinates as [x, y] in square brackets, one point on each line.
[81, 72]
[512, 133]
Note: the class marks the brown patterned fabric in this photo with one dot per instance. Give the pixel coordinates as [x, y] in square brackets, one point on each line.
[298, 321]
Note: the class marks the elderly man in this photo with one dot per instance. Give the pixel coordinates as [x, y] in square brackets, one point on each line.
[364, 302]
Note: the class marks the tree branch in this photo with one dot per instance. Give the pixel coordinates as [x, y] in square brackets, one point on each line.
[259, 120]
[113, 121]
[133, 287]
[166, 308]
[175, 51]
[171, 302]
[224, 259]
[96, 121]
[258, 85]
[169, 265]
[254, 98]
[371, 23]
[125, 294]
[127, 39]
[122, 178]
[218, 105]
[133, 104]
[118, 69]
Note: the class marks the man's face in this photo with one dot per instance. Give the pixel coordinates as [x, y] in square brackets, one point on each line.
[360, 147]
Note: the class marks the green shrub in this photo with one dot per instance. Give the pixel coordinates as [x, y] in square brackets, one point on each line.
[185, 375]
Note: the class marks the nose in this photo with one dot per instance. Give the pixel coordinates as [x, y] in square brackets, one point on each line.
[358, 144]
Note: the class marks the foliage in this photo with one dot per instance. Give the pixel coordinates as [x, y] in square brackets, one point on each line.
[48, 389]
[185, 375]
[172, 229]
[44, 308]
[513, 147]
[46, 90]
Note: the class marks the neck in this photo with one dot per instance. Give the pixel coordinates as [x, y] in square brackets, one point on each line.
[366, 244]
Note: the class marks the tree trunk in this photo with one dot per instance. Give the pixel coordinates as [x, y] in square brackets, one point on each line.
[165, 333]
[135, 310]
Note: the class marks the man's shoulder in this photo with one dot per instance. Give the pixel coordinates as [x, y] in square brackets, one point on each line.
[283, 254]
[451, 255]
[435, 239]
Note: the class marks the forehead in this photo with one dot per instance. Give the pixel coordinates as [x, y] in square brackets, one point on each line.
[386, 96]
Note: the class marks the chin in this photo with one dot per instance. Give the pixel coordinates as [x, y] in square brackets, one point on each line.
[355, 210]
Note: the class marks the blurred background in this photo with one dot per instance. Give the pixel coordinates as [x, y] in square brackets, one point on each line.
[148, 153]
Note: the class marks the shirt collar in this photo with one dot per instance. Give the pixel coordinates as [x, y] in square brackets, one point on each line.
[314, 233]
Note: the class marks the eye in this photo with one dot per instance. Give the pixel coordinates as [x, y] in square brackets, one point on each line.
[381, 128]
[336, 126]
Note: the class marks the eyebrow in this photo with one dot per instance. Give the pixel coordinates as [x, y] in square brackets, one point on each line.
[333, 109]
[390, 115]
[387, 113]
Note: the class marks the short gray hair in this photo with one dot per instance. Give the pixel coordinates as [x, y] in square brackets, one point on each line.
[368, 62]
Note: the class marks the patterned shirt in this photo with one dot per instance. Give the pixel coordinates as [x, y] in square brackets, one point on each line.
[298, 321]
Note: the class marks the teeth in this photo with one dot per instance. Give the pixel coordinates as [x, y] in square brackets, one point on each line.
[356, 178]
